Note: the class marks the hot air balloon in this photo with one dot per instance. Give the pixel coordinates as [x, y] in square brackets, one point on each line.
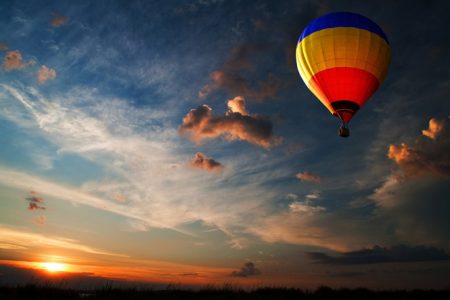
[343, 58]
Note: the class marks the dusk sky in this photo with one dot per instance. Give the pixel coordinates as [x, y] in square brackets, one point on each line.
[175, 142]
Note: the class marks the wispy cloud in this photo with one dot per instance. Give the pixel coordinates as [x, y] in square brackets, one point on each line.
[301, 224]
[24, 240]
[143, 159]
[52, 189]
[144, 155]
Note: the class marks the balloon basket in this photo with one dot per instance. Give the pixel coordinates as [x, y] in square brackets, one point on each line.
[344, 131]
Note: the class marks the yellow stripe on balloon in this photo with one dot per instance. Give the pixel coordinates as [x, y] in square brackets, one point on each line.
[342, 47]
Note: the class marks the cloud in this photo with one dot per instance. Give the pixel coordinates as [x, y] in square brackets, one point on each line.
[412, 210]
[138, 148]
[13, 61]
[230, 79]
[200, 161]
[313, 196]
[425, 156]
[40, 220]
[247, 270]
[189, 274]
[235, 84]
[308, 176]
[200, 124]
[240, 56]
[34, 206]
[377, 254]
[52, 189]
[292, 197]
[303, 224]
[24, 239]
[237, 105]
[120, 198]
[399, 153]
[238, 243]
[45, 74]
[434, 128]
[58, 20]
[304, 208]
[411, 203]
[34, 201]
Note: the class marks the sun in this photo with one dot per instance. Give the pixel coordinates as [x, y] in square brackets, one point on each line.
[53, 267]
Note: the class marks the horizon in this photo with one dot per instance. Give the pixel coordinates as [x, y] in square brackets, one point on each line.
[174, 142]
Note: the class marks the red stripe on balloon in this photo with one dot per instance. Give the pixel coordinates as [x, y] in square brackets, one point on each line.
[343, 83]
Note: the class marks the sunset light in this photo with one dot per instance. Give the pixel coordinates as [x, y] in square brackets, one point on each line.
[53, 267]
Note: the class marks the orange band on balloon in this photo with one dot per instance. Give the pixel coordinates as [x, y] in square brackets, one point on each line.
[342, 47]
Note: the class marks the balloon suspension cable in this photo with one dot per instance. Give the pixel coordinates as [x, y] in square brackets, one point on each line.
[344, 131]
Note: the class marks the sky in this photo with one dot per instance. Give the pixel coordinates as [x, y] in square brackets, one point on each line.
[174, 142]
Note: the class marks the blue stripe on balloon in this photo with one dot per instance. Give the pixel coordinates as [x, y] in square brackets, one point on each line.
[342, 19]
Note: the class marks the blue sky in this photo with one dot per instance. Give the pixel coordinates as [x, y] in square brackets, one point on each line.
[98, 138]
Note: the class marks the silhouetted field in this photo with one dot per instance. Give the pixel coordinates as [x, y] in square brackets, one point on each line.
[48, 292]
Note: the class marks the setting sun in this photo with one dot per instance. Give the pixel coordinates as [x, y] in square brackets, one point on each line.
[53, 266]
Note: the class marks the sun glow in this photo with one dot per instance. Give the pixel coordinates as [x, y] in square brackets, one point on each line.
[53, 267]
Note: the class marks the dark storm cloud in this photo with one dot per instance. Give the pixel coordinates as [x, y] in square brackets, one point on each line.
[230, 77]
[200, 124]
[247, 270]
[377, 254]
[200, 161]
[429, 155]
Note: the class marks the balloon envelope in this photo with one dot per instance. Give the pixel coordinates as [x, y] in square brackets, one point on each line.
[343, 58]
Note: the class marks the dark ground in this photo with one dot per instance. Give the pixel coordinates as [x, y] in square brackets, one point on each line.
[49, 292]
